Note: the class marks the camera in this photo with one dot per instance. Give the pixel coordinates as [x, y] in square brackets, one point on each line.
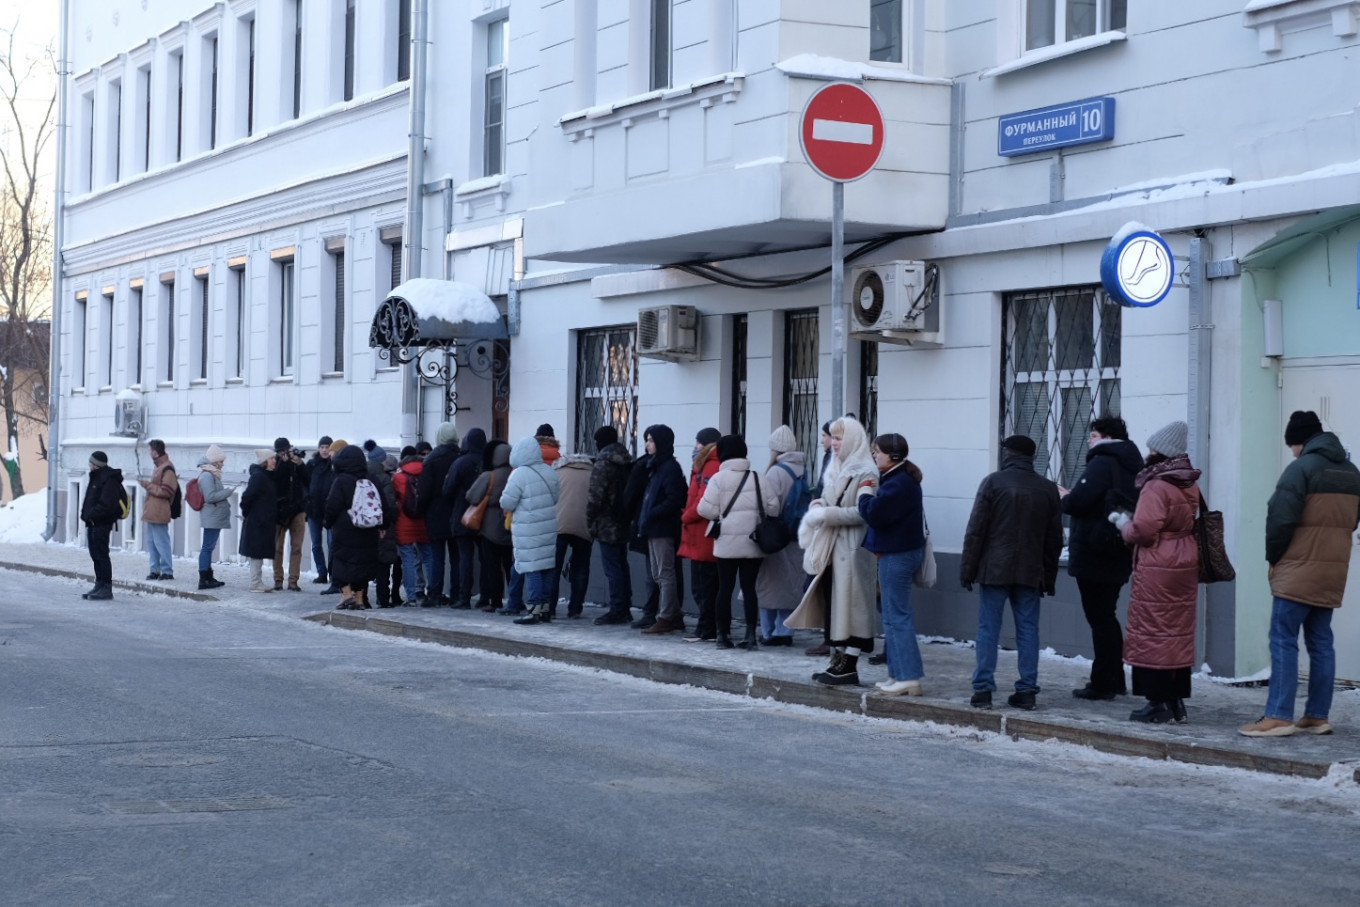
[299, 453]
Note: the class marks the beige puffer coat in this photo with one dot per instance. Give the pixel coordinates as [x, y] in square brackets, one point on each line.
[737, 526]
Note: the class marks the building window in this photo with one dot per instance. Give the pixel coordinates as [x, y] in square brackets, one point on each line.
[199, 328]
[176, 68]
[134, 335]
[333, 319]
[403, 40]
[286, 311]
[297, 58]
[143, 85]
[210, 89]
[105, 340]
[349, 50]
[802, 351]
[116, 130]
[390, 238]
[236, 336]
[167, 320]
[1061, 370]
[78, 335]
[87, 145]
[868, 387]
[738, 388]
[607, 385]
[497, 48]
[660, 45]
[885, 31]
[246, 89]
[1049, 22]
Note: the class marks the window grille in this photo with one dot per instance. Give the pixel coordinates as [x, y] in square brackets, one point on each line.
[607, 385]
[1060, 370]
[738, 388]
[802, 351]
[868, 387]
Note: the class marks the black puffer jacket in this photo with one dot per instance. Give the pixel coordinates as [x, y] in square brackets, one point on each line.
[354, 550]
[607, 517]
[1095, 549]
[100, 506]
[430, 487]
[461, 475]
[291, 480]
[320, 476]
[667, 489]
[258, 503]
[388, 553]
[1014, 535]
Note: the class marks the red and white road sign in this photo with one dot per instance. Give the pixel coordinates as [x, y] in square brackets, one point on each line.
[842, 132]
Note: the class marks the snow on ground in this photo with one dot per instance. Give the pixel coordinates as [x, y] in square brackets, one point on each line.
[25, 519]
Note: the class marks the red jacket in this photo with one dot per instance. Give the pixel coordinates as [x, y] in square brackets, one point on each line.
[410, 530]
[693, 543]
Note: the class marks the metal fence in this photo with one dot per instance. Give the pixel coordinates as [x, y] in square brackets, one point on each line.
[738, 386]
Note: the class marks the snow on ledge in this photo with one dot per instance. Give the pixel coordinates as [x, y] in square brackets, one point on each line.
[448, 301]
[481, 184]
[834, 69]
[1053, 52]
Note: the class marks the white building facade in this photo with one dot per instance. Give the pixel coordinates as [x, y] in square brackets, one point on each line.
[588, 163]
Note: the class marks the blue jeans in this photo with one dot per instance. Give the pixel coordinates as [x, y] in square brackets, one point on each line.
[205, 553]
[772, 622]
[1025, 610]
[158, 547]
[614, 559]
[1285, 620]
[411, 555]
[319, 549]
[514, 590]
[896, 570]
[537, 587]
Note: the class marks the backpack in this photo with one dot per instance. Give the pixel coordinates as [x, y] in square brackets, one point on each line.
[193, 494]
[124, 505]
[796, 501]
[410, 503]
[177, 503]
[365, 511]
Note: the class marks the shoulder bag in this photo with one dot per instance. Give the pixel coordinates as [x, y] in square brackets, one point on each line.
[714, 529]
[475, 513]
[1214, 566]
[771, 534]
[926, 573]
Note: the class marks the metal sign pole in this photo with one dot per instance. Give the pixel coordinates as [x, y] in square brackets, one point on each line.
[839, 340]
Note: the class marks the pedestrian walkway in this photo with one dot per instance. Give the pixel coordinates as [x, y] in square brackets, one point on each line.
[781, 674]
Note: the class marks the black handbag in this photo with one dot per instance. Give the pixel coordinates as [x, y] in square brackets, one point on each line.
[1214, 566]
[714, 529]
[771, 534]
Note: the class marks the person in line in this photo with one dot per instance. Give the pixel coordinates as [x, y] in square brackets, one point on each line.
[461, 475]
[735, 498]
[695, 544]
[319, 478]
[659, 526]
[100, 509]
[387, 581]
[292, 484]
[1097, 557]
[413, 541]
[1309, 522]
[530, 495]
[825, 441]
[1164, 592]
[548, 444]
[257, 518]
[1011, 547]
[781, 582]
[498, 553]
[842, 593]
[896, 521]
[160, 491]
[438, 512]
[608, 521]
[355, 550]
[216, 513]
[573, 533]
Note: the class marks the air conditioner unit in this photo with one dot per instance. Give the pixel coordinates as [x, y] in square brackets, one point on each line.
[668, 332]
[898, 301]
[129, 414]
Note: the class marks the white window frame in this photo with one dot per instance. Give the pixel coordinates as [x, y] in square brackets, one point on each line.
[85, 146]
[495, 73]
[237, 307]
[80, 310]
[876, 8]
[660, 44]
[333, 307]
[136, 298]
[200, 326]
[1103, 9]
[283, 293]
[166, 340]
[105, 339]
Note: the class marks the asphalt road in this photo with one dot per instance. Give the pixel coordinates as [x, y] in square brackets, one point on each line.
[156, 751]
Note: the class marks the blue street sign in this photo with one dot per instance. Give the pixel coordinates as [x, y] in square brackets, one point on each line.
[1078, 123]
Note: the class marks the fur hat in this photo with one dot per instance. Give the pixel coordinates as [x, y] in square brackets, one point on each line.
[262, 455]
[1170, 439]
[447, 434]
[215, 454]
[1303, 424]
[606, 435]
[782, 440]
[1020, 444]
[99, 458]
[707, 436]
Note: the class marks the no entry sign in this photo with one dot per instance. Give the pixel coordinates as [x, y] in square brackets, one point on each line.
[842, 132]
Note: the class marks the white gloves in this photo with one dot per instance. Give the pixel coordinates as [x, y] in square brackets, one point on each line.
[1120, 519]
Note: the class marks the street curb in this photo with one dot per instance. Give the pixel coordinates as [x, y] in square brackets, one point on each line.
[169, 591]
[854, 700]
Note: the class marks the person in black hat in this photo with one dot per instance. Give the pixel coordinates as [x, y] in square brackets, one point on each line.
[320, 475]
[548, 444]
[291, 484]
[1011, 548]
[607, 519]
[99, 510]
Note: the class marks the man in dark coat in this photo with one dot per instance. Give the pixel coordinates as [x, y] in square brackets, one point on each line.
[290, 513]
[461, 475]
[355, 558]
[435, 508]
[99, 511]
[1011, 547]
[387, 582]
[659, 524]
[1309, 524]
[609, 521]
[258, 503]
[1096, 554]
[319, 478]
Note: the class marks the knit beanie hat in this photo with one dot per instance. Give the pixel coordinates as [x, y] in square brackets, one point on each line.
[338, 445]
[1170, 439]
[262, 455]
[606, 435]
[375, 453]
[707, 436]
[782, 440]
[99, 458]
[281, 444]
[1020, 444]
[447, 434]
[390, 463]
[325, 440]
[730, 447]
[215, 454]
[545, 431]
[1303, 424]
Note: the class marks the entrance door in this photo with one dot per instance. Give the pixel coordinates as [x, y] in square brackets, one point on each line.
[1323, 388]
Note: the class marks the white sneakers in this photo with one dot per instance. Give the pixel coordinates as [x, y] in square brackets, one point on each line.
[899, 687]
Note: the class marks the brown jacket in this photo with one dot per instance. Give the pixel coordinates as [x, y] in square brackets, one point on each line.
[573, 478]
[160, 489]
[1309, 521]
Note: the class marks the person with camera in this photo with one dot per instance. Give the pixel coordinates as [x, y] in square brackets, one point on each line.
[319, 478]
[290, 486]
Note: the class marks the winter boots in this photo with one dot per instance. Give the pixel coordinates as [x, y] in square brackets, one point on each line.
[843, 671]
[538, 614]
[206, 580]
[100, 592]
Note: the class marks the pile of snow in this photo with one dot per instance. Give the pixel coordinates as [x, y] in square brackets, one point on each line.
[25, 519]
[448, 301]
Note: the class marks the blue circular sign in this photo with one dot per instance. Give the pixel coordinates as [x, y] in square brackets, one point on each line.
[1138, 269]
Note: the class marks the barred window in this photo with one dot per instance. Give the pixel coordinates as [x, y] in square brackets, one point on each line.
[738, 387]
[868, 387]
[607, 385]
[801, 351]
[1060, 370]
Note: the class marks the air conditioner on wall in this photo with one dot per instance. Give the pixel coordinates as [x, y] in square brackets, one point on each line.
[668, 332]
[897, 302]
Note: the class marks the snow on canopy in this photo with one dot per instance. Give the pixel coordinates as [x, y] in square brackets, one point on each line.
[447, 308]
